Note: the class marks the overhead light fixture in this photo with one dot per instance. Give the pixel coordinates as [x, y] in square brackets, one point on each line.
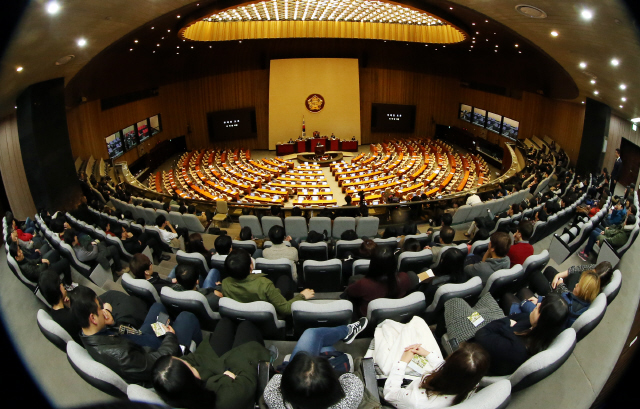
[554, 34]
[130, 49]
[583, 65]
[593, 81]
[81, 42]
[583, 102]
[19, 69]
[623, 99]
[516, 45]
[615, 62]
[623, 87]
[635, 120]
[621, 106]
[135, 41]
[586, 14]
[634, 127]
[178, 16]
[152, 28]
[53, 7]
[596, 92]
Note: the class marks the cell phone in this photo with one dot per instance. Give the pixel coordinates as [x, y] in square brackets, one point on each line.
[163, 318]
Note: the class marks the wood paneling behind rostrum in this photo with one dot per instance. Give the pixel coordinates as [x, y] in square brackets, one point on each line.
[12, 168]
[184, 105]
[618, 128]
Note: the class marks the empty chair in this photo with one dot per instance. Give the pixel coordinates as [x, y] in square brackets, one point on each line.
[260, 313]
[176, 219]
[462, 214]
[137, 393]
[95, 373]
[52, 330]
[367, 226]
[268, 222]
[192, 223]
[320, 224]
[192, 301]
[500, 223]
[249, 245]
[295, 226]
[342, 246]
[501, 281]
[313, 315]
[140, 288]
[538, 231]
[150, 215]
[480, 247]
[139, 213]
[401, 310]
[468, 291]
[118, 243]
[253, 223]
[342, 224]
[274, 269]
[323, 276]
[541, 364]
[313, 251]
[612, 289]
[590, 319]
[415, 261]
[477, 210]
[222, 213]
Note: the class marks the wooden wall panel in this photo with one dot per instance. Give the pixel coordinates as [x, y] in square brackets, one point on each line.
[619, 128]
[184, 106]
[12, 167]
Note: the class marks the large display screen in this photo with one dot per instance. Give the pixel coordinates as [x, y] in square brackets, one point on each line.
[232, 124]
[510, 128]
[393, 118]
[465, 112]
[494, 122]
[114, 145]
[479, 116]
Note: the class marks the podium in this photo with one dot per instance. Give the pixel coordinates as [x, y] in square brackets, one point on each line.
[316, 141]
[320, 149]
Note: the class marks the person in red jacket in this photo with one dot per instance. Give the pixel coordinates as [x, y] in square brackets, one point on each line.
[521, 249]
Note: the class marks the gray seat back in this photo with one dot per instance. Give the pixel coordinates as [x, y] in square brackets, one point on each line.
[217, 262]
[253, 223]
[95, 373]
[192, 223]
[314, 315]
[590, 319]
[323, 276]
[176, 219]
[360, 267]
[137, 393]
[249, 245]
[401, 310]
[423, 238]
[391, 243]
[52, 330]
[461, 215]
[196, 261]
[500, 280]
[260, 313]
[320, 224]
[268, 222]
[533, 263]
[342, 224]
[494, 396]
[367, 226]
[415, 261]
[313, 251]
[342, 246]
[480, 247]
[140, 288]
[296, 227]
[192, 301]
[468, 291]
[15, 268]
[150, 215]
[274, 269]
[118, 243]
[612, 289]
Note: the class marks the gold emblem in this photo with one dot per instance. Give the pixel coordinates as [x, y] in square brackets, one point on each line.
[314, 103]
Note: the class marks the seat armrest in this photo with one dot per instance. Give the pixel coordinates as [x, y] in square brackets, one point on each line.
[263, 378]
[370, 381]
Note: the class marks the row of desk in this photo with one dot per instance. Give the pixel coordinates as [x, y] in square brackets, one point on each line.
[309, 145]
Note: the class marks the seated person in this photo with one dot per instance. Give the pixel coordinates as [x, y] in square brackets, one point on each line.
[618, 213]
[202, 217]
[617, 236]
[279, 249]
[447, 235]
[380, 281]
[348, 212]
[310, 377]
[136, 243]
[130, 355]
[33, 249]
[350, 235]
[521, 249]
[411, 245]
[493, 260]
[187, 280]
[481, 234]
[450, 271]
[543, 283]
[94, 250]
[32, 268]
[169, 234]
[142, 269]
[222, 373]
[243, 286]
[55, 292]
[510, 341]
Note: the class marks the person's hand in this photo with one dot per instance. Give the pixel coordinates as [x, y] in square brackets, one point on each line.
[66, 301]
[556, 280]
[427, 248]
[44, 260]
[417, 349]
[38, 250]
[218, 293]
[407, 356]
[307, 293]
[533, 300]
[108, 317]
[170, 329]
[288, 238]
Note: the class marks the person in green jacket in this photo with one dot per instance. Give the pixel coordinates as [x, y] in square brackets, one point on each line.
[222, 373]
[618, 236]
[244, 287]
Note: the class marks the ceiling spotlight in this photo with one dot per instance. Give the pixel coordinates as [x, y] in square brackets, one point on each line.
[586, 14]
[19, 69]
[615, 62]
[135, 41]
[15, 107]
[583, 102]
[621, 106]
[593, 81]
[623, 87]
[496, 45]
[192, 46]
[157, 45]
[168, 31]
[154, 51]
[583, 65]
[516, 46]
[486, 21]
[53, 7]
[130, 49]
[554, 33]
[473, 24]
[519, 52]
[81, 42]
[623, 99]
[178, 16]
[596, 92]
[635, 120]
[152, 28]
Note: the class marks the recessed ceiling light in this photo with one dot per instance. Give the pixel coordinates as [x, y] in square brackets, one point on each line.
[211, 47]
[623, 87]
[583, 65]
[162, 38]
[471, 46]
[15, 107]
[496, 45]
[53, 7]
[81, 42]
[19, 69]
[135, 41]
[177, 46]
[586, 14]
[130, 49]
[168, 31]
[621, 106]
[623, 99]
[473, 24]
[615, 62]
[593, 81]
[554, 33]
[583, 102]
[178, 16]
[495, 50]
[157, 45]
[516, 46]
[596, 92]
[486, 21]
[192, 46]
[154, 51]
[519, 52]
[635, 120]
[450, 8]
[152, 28]
[477, 32]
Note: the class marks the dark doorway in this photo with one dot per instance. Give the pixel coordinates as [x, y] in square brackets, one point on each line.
[630, 155]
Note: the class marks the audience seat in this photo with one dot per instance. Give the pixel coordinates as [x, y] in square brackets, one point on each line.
[196, 261]
[608, 253]
[461, 215]
[176, 219]
[367, 226]
[342, 224]
[150, 216]
[533, 263]
[15, 268]
[52, 330]
[307, 314]
[468, 291]
[401, 310]
[296, 227]
[274, 269]
[249, 245]
[140, 288]
[261, 313]
[313, 251]
[494, 396]
[480, 247]
[391, 243]
[95, 373]
[342, 246]
[423, 238]
[137, 393]
[253, 223]
[323, 276]
[590, 319]
[192, 223]
[502, 280]
[612, 289]
[268, 222]
[320, 224]
[222, 212]
[192, 301]
[97, 274]
[360, 267]
[415, 261]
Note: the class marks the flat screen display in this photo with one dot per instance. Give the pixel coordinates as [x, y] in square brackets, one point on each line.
[393, 118]
[143, 130]
[114, 145]
[494, 122]
[232, 124]
[465, 112]
[155, 124]
[129, 136]
[510, 128]
[479, 116]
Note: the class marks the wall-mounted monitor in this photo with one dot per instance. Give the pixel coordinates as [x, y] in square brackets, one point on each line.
[510, 128]
[479, 116]
[114, 145]
[465, 112]
[129, 136]
[494, 122]
[143, 130]
[233, 124]
[393, 118]
[155, 124]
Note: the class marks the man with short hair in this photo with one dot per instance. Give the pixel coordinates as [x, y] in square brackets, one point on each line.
[521, 249]
[95, 250]
[32, 268]
[446, 237]
[494, 259]
[279, 249]
[615, 173]
[131, 354]
[243, 286]
[187, 279]
[142, 269]
[473, 198]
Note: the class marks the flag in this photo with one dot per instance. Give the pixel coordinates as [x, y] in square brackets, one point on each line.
[303, 130]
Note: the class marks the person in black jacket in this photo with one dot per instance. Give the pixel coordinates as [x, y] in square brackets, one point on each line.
[130, 355]
[615, 173]
[32, 268]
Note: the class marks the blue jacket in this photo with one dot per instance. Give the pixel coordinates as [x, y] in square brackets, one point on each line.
[617, 216]
[576, 307]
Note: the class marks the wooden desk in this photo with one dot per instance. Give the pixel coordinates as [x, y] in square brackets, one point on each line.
[279, 160]
[298, 185]
[315, 191]
[301, 146]
[265, 200]
[358, 158]
[381, 187]
[312, 178]
[273, 191]
[334, 145]
[364, 182]
[285, 148]
[346, 179]
[349, 146]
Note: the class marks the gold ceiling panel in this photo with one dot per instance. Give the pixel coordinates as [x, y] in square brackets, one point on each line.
[354, 19]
